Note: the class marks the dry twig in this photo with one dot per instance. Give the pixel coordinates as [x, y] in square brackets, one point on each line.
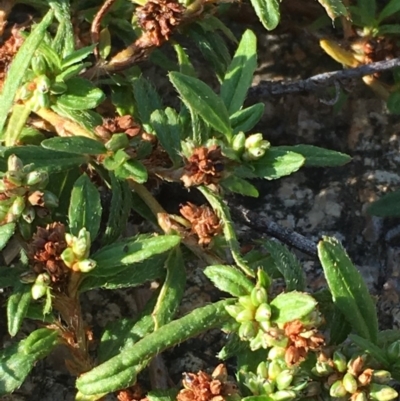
[266, 89]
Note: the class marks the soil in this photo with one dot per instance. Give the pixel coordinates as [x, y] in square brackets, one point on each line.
[313, 202]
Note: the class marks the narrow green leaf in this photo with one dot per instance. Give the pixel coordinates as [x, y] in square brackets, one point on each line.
[75, 144]
[134, 170]
[229, 279]
[166, 127]
[388, 29]
[172, 290]
[367, 9]
[147, 99]
[245, 119]
[46, 159]
[290, 306]
[19, 116]
[9, 276]
[268, 12]
[80, 95]
[348, 289]
[17, 306]
[6, 232]
[392, 7]
[17, 361]
[77, 56]
[334, 8]
[367, 346]
[223, 213]
[120, 207]
[318, 157]
[87, 118]
[114, 258]
[387, 206]
[239, 186]
[211, 23]
[149, 270]
[20, 64]
[85, 207]
[121, 370]
[277, 163]
[185, 66]
[240, 72]
[123, 100]
[288, 265]
[200, 97]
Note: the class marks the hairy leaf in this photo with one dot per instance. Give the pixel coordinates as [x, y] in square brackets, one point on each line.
[17, 306]
[75, 144]
[268, 12]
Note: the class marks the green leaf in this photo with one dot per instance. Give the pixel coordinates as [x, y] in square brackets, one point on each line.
[17, 306]
[114, 258]
[123, 100]
[240, 186]
[87, 118]
[121, 370]
[334, 8]
[213, 48]
[367, 346]
[80, 95]
[185, 66]
[277, 163]
[167, 129]
[268, 12]
[75, 144]
[9, 276]
[120, 207]
[318, 157]
[240, 72]
[288, 265]
[132, 169]
[211, 23]
[147, 99]
[245, 119]
[64, 39]
[19, 117]
[85, 207]
[387, 206]
[77, 56]
[388, 29]
[17, 361]
[150, 269]
[113, 161]
[290, 306]
[229, 279]
[393, 103]
[367, 10]
[172, 290]
[20, 64]
[348, 289]
[6, 232]
[200, 97]
[223, 213]
[46, 159]
[392, 7]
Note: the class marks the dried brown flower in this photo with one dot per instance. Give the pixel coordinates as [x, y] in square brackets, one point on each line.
[301, 340]
[205, 223]
[204, 166]
[158, 18]
[46, 248]
[133, 393]
[205, 387]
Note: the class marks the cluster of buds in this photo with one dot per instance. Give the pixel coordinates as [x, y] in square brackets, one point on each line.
[250, 148]
[76, 255]
[22, 194]
[280, 382]
[353, 379]
[40, 89]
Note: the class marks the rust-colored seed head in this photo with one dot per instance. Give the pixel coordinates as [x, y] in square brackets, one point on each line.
[158, 18]
[301, 340]
[46, 248]
[205, 223]
[203, 167]
[204, 387]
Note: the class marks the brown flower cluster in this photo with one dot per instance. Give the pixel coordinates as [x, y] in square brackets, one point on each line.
[301, 341]
[205, 223]
[204, 166]
[133, 393]
[124, 124]
[158, 18]
[46, 248]
[7, 52]
[203, 387]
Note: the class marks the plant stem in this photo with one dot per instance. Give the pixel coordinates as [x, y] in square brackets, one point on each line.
[63, 126]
